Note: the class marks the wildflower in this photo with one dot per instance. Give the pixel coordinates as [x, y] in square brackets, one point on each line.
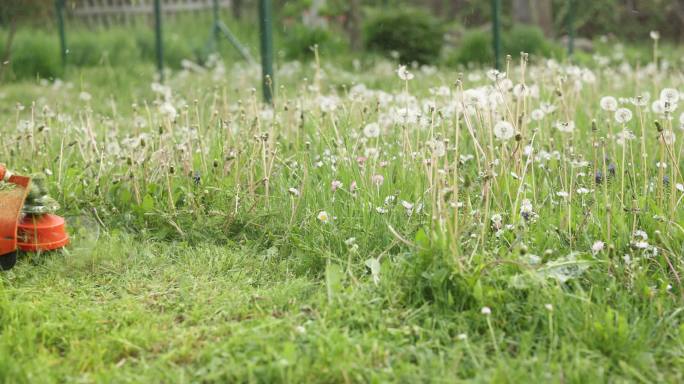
[352, 187]
[623, 115]
[548, 307]
[597, 247]
[669, 95]
[328, 103]
[565, 126]
[404, 74]
[526, 209]
[608, 103]
[438, 147]
[462, 336]
[335, 185]
[537, 114]
[85, 96]
[680, 187]
[583, 191]
[378, 180]
[294, 192]
[323, 217]
[495, 75]
[562, 194]
[655, 35]
[381, 210]
[486, 311]
[168, 110]
[503, 130]
[371, 130]
[497, 221]
[408, 207]
[668, 137]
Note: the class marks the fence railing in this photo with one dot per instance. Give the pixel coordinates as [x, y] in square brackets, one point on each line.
[128, 11]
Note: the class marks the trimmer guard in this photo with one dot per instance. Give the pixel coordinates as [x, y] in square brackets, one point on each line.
[11, 201]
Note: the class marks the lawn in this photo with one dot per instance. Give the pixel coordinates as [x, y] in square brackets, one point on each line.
[378, 224]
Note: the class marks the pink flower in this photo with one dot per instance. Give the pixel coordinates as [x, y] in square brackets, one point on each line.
[335, 185]
[361, 159]
[352, 187]
[378, 180]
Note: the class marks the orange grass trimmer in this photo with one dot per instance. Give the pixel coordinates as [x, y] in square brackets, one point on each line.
[27, 219]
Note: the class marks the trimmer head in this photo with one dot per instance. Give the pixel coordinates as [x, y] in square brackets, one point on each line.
[28, 232]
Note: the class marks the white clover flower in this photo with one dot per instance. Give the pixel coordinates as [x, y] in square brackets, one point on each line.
[565, 126]
[404, 73]
[486, 311]
[669, 95]
[497, 220]
[583, 191]
[608, 103]
[371, 130]
[623, 115]
[323, 217]
[503, 130]
[597, 247]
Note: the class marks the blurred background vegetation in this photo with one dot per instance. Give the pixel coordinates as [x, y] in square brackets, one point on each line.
[437, 32]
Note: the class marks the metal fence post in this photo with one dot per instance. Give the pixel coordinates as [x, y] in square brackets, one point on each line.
[266, 39]
[571, 27]
[158, 39]
[59, 10]
[496, 29]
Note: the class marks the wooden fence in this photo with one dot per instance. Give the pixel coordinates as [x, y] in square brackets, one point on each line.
[99, 12]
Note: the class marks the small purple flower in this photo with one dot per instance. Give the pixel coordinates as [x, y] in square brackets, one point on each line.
[598, 177]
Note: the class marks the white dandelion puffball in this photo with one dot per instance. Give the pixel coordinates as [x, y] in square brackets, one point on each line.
[503, 130]
[608, 103]
[404, 73]
[655, 35]
[371, 130]
[565, 126]
[537, 114]
[670, 95]
[623, 115]
[168, 110]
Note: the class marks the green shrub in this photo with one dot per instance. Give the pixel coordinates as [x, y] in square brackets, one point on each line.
[475, 48]
[35, 53]
[415, 35]
[176, 48]
[299, 40]
[526, 38]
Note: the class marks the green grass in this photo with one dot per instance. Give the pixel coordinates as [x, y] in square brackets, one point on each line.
[198, 253]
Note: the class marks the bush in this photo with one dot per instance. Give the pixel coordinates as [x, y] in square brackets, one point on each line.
[475, 47]
[176, 48]
[415, 35]
[34, 54]
[526, 38]
[300, 39]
